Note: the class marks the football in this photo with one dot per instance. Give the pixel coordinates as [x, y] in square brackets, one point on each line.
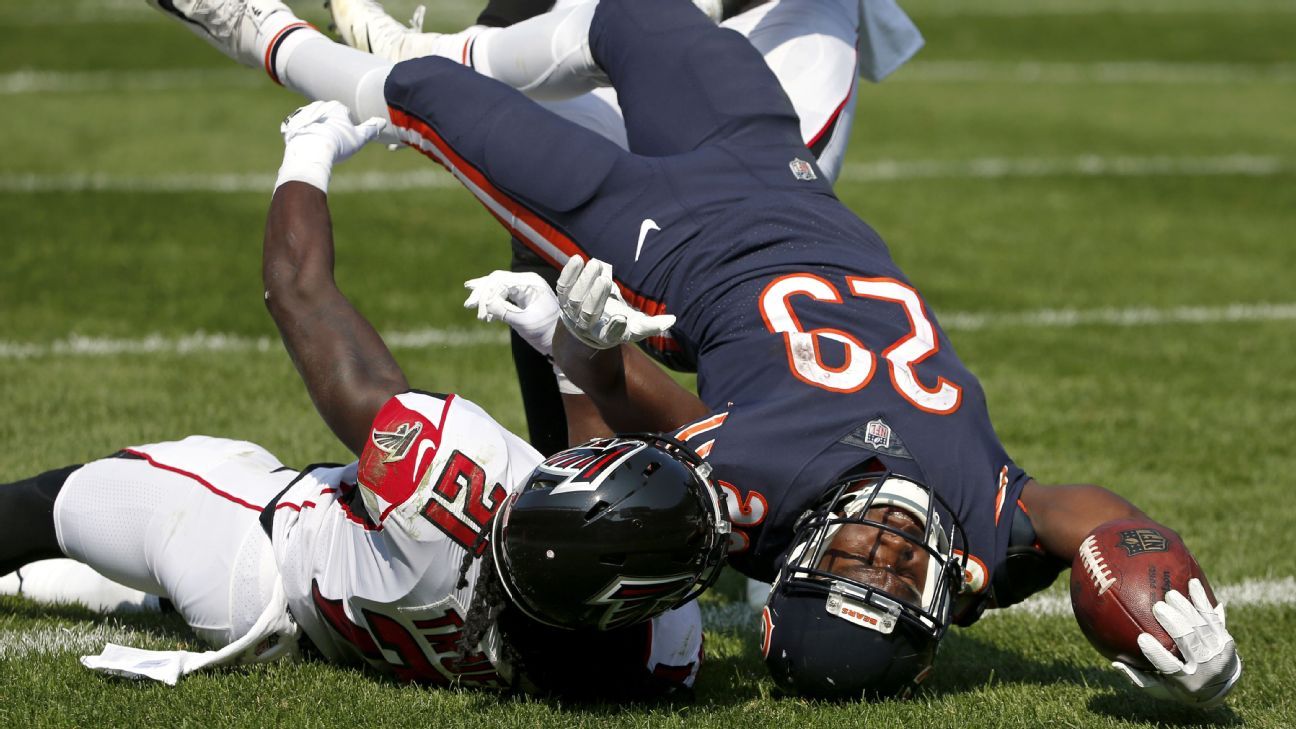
[1121, 570]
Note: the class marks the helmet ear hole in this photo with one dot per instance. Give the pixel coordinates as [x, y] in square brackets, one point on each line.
[651, 468]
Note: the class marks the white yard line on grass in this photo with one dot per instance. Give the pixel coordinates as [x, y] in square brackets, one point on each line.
[78, 639]
[1024, 8]
[88, 637]
[430, 178]
[1089, 165]
[1280, 592]
[202, 343]
[1098, 72]
[76, 345]
[1128, 317]
[1249, 593]
[35, 81]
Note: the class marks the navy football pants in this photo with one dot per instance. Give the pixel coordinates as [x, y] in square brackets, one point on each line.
[707, 121]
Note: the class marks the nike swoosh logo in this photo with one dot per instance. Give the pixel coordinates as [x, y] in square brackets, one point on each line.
[647, 225]
[424, 447]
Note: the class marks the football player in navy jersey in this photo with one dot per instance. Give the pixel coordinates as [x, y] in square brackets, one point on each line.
[818, 49]
[857, 449]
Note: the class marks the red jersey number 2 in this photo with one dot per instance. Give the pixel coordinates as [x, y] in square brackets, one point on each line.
[942, 398]
[461, 505]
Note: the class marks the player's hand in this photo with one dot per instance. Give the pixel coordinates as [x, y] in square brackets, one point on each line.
[1211, 665]
[522, 300]
[591, 307]
[327, 126]
[319, 135]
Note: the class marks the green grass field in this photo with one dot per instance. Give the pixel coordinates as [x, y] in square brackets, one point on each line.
[1098, 198]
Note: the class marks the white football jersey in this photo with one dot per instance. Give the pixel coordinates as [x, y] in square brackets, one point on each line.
[370, 553]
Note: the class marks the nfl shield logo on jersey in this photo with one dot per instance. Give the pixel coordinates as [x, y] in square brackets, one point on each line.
[877, 434]
[802, 170]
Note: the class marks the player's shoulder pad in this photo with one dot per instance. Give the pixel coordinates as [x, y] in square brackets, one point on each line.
[403, 439]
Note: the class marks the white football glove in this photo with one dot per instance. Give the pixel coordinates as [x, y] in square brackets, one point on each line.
[592, 308]
[319, 135]
[522, 300]
[1211, 665]
[525, 302]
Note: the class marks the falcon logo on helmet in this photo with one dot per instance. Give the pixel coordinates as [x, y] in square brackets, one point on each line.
[611, 533]
[629, 598]
[582, 468]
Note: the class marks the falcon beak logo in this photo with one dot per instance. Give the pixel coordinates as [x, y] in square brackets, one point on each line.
[396, 443]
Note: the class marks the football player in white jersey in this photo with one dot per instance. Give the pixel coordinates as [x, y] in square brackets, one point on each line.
[443, 555]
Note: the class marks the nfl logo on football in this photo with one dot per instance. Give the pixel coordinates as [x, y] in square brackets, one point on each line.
[802, 170]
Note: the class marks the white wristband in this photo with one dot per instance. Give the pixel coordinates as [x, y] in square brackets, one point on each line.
[304, 165]
[565, 385]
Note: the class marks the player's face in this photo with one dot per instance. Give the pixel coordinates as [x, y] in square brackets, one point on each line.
[880, 558]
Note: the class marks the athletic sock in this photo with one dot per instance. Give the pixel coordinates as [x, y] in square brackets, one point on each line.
[27, 530]
[454, 46]
[308, 62]
[547, 57]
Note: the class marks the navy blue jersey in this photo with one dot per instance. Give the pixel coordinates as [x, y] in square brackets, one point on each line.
[812, 348]
[817, 354]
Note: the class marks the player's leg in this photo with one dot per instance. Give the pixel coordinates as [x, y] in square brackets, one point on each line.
[684, 83]
[553, 184]
[366, 25]
[27, 531]
[30, 552]
[266, 34]
[68, 582]
[180, 520]
[819, 49]
[681, 82]
[811, 46]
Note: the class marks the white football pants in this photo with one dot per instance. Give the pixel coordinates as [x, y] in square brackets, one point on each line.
[182, 521]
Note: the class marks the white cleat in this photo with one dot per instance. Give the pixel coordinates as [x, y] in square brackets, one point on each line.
[238, 28]
[366, 26]
[714, 9]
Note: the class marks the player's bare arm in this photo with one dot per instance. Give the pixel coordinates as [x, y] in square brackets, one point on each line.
[348, 370]
[1063, 515]
[631, 392]
[1135, 621]
[617, 389]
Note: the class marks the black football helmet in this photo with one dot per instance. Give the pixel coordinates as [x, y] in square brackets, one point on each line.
[834, 637]
[611, 533]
